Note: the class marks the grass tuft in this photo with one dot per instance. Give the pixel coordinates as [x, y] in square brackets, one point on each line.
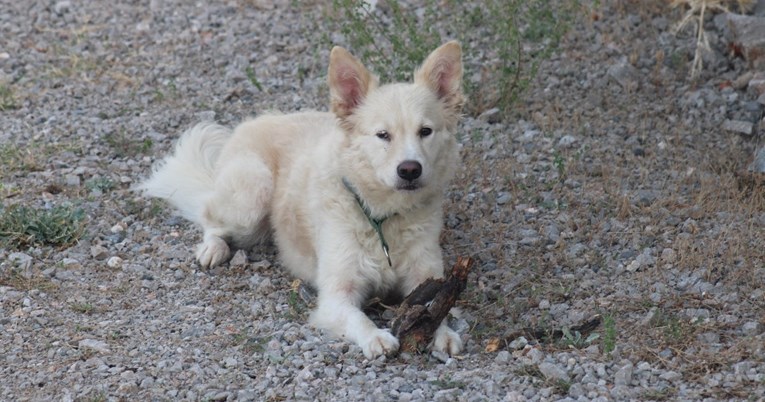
[22, 226]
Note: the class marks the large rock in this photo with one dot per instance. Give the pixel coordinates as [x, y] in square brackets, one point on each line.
[749, 35]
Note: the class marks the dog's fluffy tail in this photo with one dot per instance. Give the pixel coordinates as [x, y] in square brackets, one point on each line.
[186, 179]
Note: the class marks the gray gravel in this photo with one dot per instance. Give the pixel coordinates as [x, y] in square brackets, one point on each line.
[611, 190]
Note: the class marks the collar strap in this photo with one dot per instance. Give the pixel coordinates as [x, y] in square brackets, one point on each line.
[375, 222]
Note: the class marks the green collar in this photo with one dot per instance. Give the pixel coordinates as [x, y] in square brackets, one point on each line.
[375, 222]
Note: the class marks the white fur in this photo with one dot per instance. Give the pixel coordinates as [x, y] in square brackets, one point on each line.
[284, 173]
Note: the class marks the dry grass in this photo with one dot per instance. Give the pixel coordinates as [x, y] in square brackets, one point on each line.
[696, 11]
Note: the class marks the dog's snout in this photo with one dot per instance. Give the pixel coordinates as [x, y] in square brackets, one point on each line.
[409, 170]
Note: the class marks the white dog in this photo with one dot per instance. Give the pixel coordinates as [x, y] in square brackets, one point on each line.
[353, 197]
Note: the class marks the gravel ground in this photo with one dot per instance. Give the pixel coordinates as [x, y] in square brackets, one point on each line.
[611, 190]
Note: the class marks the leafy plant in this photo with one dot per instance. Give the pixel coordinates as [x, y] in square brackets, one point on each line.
[100, 184]
[504, 40]
[575, 339]
[22, 226]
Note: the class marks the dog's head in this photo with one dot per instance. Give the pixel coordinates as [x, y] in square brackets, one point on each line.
[400, 136]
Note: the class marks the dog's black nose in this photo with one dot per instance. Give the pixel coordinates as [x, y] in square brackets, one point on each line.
[409, 170]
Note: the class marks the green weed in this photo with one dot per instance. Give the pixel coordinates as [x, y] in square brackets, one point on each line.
[504, 40]
[250, 344]
[575, 339]
[100, 185]
[124, 146]
[22, 226]
[82, 308]
[253, 79]
[7, 99]
[609, 334]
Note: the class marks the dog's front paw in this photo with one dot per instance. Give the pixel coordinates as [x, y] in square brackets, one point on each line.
[379, 342]
[212, 251]
[447, 341]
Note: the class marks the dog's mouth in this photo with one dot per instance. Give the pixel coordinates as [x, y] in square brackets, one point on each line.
[408, 185]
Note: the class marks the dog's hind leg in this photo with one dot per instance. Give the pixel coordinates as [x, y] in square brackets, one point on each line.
[234, 212]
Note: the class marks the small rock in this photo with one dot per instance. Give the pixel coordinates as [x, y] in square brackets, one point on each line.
[96, 345]
[742, 81]
[671, 376]
[626, 75]
[535, 355]
[749, 35]
[738, 126]
[21, 260]
[576, 390]
[503, 357]
[566, 141]
[114, 262]
[147, 382]
[758, 164]
[751, 328]
[503, 198]
[62, 7]
[708, 337]
[757, 84]
[553, 371]
[544, 304]
[99, 252]
[72, 180]
[552, 233]
[518, 343]
[440, 356]
[118, 228]
[491, 116]
[660, 23]
[207, 115]
[239, 259]
[668, 255]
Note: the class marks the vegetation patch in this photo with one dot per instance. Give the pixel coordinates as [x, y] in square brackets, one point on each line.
[504, 40]
[22, 226]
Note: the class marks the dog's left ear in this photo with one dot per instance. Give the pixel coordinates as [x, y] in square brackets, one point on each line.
[349, 82]
[442, 73]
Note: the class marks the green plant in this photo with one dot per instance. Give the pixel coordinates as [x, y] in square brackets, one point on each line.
[22, 226]
[83, 308]
[297, 307]
[609, 334]
[504, 40]
[560, 165]
[250, 344]
[575, 339]
[99, 184]
[7, 99]
[124, 146]
[253, 79]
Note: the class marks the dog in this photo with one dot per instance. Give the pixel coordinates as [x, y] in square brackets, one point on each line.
[353, 198]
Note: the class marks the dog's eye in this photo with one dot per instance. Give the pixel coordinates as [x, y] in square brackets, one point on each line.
[383, 135]
[426, 131]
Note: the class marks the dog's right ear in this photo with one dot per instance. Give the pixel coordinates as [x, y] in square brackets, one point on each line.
[349, 82]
